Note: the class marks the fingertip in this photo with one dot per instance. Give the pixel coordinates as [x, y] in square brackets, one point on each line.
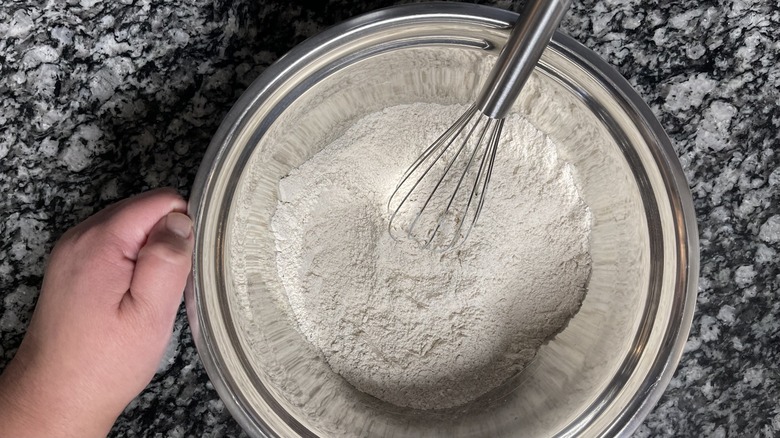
[179, 224]
[162, 267]
[172, 235]
[133, 219]
[165, 194]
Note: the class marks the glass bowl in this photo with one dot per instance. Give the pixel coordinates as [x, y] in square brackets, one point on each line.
[599, 377]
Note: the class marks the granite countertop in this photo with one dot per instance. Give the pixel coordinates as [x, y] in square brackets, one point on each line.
[101, 100]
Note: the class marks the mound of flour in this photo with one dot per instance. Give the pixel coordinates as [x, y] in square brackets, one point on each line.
[419, 328]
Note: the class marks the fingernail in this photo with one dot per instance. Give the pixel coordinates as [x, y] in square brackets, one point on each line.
[179, 224]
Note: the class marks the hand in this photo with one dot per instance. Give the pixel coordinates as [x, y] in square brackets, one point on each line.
[105, 314]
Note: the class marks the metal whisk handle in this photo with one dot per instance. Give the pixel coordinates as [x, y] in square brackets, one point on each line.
[528, 39]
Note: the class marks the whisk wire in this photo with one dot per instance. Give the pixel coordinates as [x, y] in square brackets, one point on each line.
[492, 148]
[489, 151]
[466, 168]
[436, 187]
[448, 134]
[449, 138]
[458, 196]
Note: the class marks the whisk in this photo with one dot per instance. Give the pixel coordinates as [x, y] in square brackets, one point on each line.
[440, 196]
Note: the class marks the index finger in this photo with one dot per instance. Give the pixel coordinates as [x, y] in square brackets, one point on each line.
[132, 219]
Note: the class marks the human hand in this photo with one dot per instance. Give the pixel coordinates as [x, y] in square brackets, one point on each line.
[104, 316]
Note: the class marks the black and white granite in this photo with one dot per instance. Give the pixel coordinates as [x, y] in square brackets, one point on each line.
[101, 100]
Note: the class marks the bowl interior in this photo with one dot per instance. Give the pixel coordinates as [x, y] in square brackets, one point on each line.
[589, 379]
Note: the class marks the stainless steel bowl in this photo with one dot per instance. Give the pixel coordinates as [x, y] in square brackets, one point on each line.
[599, 377]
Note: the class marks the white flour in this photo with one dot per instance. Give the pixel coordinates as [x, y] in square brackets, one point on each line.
[419, 328]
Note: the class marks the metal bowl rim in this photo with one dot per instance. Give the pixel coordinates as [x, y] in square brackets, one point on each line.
[676, 183]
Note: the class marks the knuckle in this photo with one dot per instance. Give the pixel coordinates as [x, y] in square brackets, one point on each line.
[85, 245]
[164, 253]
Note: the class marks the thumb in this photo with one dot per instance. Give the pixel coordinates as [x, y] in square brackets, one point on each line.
[162, 267]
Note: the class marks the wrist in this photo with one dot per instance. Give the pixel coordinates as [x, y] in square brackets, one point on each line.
[33, 405]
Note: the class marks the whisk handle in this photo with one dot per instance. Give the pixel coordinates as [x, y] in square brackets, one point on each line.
[528, 39]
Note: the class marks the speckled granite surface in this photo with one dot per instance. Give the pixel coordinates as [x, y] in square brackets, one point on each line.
[101, 100]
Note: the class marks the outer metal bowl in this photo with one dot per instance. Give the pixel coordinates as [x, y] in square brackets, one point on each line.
[600, 377]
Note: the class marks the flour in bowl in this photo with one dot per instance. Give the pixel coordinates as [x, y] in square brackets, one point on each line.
[419, 328]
